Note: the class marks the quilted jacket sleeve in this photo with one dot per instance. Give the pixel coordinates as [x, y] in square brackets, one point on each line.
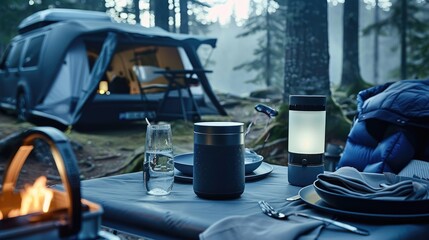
[367, 93]
[368, 154]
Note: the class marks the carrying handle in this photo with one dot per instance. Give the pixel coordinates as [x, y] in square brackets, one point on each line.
[66, 163]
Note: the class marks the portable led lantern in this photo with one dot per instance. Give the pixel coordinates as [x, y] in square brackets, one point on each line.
[306, 141]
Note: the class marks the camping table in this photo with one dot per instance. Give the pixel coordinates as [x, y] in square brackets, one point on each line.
[182, 214]
[179, 79]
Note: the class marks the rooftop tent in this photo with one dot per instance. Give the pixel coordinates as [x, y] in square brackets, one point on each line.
[73, 78]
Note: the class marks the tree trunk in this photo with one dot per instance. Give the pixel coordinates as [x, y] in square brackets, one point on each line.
[184, 17]
[137, 11]
[161, 13]
[376, 45]
[350, 71]
[268, 59]
[306, 48]
[404, 17]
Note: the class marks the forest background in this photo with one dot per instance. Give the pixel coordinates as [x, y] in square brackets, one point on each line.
[277, 47]
[247, 57]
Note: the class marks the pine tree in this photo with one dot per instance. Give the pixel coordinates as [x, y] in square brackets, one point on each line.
[195, 25]
[161, 13]
[416, 36]
[351, 79]
[268, 62]
[128, 13]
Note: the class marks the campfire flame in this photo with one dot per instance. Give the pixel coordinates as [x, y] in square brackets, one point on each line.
[35, 198]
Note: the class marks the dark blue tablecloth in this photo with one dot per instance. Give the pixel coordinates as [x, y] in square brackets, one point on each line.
[182, 214]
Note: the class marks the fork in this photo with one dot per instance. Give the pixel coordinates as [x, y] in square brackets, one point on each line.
[270, 211]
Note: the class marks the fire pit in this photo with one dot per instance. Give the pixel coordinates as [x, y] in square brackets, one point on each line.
[40, 212]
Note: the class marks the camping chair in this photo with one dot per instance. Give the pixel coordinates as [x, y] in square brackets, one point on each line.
[146, 74]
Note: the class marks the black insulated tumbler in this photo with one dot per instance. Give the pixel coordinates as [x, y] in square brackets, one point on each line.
[218, 160]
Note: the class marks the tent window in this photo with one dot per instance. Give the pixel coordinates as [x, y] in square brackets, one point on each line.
[32, 54]
[13, 59]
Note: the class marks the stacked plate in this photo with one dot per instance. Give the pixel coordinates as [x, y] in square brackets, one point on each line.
[255, 168]
[324, 199]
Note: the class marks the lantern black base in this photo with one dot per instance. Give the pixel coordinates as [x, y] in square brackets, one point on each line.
[301, 176]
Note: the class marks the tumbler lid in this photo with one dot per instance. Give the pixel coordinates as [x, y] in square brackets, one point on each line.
[218, 127]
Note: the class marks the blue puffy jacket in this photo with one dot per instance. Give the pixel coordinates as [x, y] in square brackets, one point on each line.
[391, 129]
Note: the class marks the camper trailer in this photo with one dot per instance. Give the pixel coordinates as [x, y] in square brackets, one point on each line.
[80, 67]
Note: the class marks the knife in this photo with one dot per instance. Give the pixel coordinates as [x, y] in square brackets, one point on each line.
[336, 223]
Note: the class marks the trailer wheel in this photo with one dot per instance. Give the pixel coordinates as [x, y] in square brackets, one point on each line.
[22, 107]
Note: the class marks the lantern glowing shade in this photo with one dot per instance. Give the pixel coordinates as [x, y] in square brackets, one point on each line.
[306, 141]
[103, 87]
[307, 132]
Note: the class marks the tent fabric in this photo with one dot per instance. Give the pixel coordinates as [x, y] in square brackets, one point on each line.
[74, 84]
[68, 83]
[155, 33]
[100, 67]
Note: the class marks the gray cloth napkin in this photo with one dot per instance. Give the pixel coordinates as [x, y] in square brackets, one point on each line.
[388, 186]
[416, 168]
[260, 226]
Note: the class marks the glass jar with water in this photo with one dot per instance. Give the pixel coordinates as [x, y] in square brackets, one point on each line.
[158, 166]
